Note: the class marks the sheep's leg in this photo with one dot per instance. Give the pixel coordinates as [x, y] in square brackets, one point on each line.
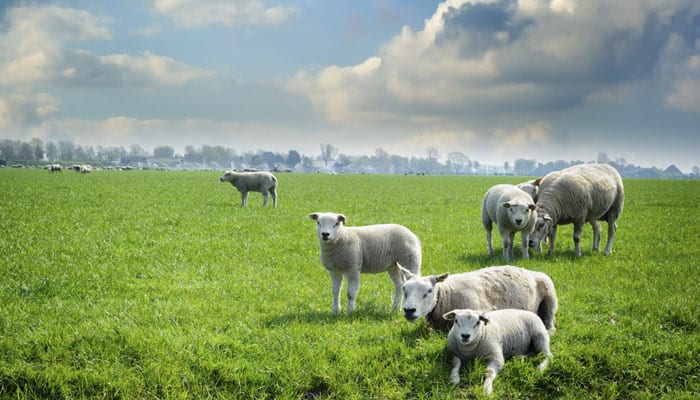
[353, 288]
[492, 369]
[541, 345]
[525, 240]
[612, 227]
[488, 226]
[596, 235]
[336, 283]
[578, 227]
[552, 236]
[244, 198]
[511, 245]
[456, 365]
[507, 244]
[265, 196]
[274, 197]
[397, 279]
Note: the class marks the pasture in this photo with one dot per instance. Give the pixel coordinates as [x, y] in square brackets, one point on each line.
[154, 284]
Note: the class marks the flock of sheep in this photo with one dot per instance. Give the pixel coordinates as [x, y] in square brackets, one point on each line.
[492, 313]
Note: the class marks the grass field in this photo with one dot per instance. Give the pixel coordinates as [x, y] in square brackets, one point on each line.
[153, 284]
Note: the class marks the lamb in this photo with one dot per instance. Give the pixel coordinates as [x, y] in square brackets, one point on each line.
[349, 251]
[495, 336]
[263, 182]
[513, 211]
[530, 187]
[485, 289]
[579, 194]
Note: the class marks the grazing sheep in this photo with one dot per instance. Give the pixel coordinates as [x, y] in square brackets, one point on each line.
[579, 194]
[85, 169]
[349, 251]
[530, 187]
[512, 210]
[263, 182]
[54, 167]
[494, 337]
[486, 289]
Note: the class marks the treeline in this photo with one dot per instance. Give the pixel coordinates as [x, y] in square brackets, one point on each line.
[36, 151]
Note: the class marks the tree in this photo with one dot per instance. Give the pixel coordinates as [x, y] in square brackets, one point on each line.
[51, 151]
[163, 152]
[65, 149]
[603, 158]
[328, 152]
[293, 158]
[696, 170]
[38, 148]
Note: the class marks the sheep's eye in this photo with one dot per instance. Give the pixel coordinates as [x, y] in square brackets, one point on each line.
[426, 294]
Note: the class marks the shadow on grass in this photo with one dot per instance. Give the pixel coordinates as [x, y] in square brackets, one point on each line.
[318, 317]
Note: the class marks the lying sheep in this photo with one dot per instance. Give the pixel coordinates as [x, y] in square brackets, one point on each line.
[486, 289]
[349, 251]
[493, 337]
[512, 210]
[530, 187]
[263, 182]
[579, 194]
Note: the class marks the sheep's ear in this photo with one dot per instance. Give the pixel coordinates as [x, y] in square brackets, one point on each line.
[314, 216]
[538, 181]
[341, 218]
[506, 205]
[546, 217]
[532, 207]
[483, 318]
[450, 316]
[439, 278]
[405, 273]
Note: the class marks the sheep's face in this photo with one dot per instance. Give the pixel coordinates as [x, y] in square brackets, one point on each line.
[543, 228]
[328, 225]
[227, 177]
[467, 325]
[530, 188]
[519, 213]
[419, 295]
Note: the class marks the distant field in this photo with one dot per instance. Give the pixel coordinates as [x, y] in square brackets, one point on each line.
[154, 284]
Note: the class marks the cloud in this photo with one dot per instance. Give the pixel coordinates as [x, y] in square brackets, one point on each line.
[193, 13]
[18, 110]
[36, 48]
[479, 63]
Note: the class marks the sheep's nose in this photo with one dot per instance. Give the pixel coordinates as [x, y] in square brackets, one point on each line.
[324, 235]
[518, 221]
[531, 243]
[409, 311]
[465, 337]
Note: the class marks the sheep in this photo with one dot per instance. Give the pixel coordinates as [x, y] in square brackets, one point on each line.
[85, 169]
[579, 194]
[350, 250]
[530, 187]
[513, 211]
[493, 337]
[486, 289]
[263, 182]
[54, 167]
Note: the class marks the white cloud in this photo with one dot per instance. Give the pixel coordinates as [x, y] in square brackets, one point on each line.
[222, 12]
[18, 110]
[478, 63]
[35, 49]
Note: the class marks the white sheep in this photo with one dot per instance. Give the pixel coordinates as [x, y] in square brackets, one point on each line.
[85, 169]
[486, 289]
[579, 194]
[512, 210]
[530, 187]
[349, 251]
[494, 337]
[263, 182]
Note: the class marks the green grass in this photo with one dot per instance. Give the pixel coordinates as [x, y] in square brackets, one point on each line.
[151, 284]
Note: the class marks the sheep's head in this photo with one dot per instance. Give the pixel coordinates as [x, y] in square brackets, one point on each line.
[519, 212]
[467, 324]
[531, 187]
[419, 293]
[328, 225]
[543, 229]
[228, 176]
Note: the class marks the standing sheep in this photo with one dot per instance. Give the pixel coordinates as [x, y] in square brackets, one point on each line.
[579, 194]
[486, 289]
[513, 211]
[530, 187]
[493, 337]
[349, 251]
[263, 182]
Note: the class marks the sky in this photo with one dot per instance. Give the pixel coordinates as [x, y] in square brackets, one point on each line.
[497, 80]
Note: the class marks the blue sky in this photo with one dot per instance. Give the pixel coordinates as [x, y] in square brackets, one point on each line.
[497, 80]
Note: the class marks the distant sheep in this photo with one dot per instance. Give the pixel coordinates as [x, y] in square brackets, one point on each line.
[349, 251]
[530, 187]
[494, 337]
[579, 194]
[263, 182]
[54, 167]
[512, 210]
[85, 169]
[485, 289]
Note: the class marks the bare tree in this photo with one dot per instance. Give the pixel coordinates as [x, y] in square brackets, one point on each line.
[328, 152]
